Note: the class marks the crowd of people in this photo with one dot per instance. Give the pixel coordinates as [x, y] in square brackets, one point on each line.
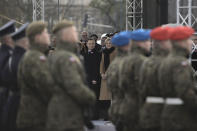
[97, 58]
[139, 80]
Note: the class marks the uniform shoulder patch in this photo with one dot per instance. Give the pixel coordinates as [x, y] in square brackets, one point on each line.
[72, 59]
[185, 63]
[42, 58]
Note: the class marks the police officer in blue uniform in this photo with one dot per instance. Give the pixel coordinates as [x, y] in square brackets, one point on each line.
[10, 78]
[5, 52]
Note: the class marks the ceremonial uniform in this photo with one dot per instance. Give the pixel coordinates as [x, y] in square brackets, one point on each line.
[150, 95]
[177, 86]
[71, 95]
[129, 80]
[113, 77]
[10, 78]
[35, 82]
[5, 52]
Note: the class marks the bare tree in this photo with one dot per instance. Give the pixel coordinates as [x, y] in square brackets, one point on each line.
[113, 10]
[15, 9]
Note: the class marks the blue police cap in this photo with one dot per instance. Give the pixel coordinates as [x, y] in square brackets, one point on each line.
[121, 39]
[8, 28]
[140, 35]
[20, 33]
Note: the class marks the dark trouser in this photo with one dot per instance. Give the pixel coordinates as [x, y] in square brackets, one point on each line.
[3, 101]
[32, 129]
[76, 129]
[104, 106]
[10, 112]
[151, 129]
[96, 89]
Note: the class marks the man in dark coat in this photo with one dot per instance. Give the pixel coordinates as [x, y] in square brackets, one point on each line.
[92, 67]
[5, 52]
[176, 78]
[97, 46]
[10, 73]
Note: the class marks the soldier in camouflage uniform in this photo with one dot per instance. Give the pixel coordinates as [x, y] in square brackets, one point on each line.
[150, 95]
[177, 84]
[35, 80]
[122, 42]
[71, 95]
[129, 80]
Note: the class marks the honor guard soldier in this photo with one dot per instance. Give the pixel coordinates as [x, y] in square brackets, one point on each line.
[5, 52]
[178, 84]
[150, 95]
[34, 80]
[129, 79]
[71, 95]
[122, 42]
[10, 78]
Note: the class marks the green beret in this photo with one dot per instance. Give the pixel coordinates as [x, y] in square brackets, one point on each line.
[61, 25]
[35, 28]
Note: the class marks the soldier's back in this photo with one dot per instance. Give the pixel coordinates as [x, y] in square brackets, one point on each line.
[130, 85]
[35, 84]
[70, 95]
[150, 111]
[112, 84]
[61, 99]
[177, 87]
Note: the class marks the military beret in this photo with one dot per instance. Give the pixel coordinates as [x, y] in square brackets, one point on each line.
[121, 39]
[8, 28]
[35, 28]
[61, 25]
[140, 35]
[20, 33]
[181, 33]
[161, 33]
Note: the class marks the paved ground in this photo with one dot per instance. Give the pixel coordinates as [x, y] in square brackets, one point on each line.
[102, 126]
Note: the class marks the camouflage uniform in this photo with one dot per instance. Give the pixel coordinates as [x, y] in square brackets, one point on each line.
[35, 82]
[112, 84]
[130, 85]
[71, 95]
[149, 87]
[177, 81]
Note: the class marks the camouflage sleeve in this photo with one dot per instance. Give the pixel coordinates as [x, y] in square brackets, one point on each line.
[184, 85]
[126, 75]
[36, 70]
[73, 82]
[112, 77]
[142, 83]
[161, 79]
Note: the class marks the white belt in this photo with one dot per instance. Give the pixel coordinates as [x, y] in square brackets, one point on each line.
[168, 101]
[156, 100]
[174, 101]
